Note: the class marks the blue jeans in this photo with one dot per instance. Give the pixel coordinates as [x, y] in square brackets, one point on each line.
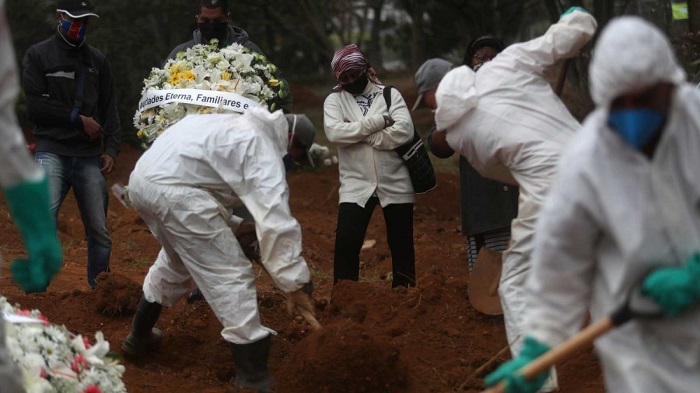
[90, 190]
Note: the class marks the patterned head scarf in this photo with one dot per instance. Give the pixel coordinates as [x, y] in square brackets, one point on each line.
[351, 58]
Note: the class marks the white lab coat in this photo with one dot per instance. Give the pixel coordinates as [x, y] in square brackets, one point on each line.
[16, 165]
[366, 160]
[612, 216]
[512, 127]
[185, 187]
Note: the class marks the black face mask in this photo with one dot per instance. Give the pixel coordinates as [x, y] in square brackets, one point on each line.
[358, 86]
[289, 163]
[212, 30]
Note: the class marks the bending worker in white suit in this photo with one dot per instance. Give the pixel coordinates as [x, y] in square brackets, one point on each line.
[512, 127]
[624, 211]
[185, 187]
[26, 190]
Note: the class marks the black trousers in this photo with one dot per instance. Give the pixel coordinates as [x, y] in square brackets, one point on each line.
[353, 221]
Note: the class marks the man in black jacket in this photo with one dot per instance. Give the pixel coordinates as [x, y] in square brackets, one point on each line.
[71, 101]
[213, 21]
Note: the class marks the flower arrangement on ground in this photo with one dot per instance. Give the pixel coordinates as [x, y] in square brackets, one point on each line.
[52, 359]
[206, 79]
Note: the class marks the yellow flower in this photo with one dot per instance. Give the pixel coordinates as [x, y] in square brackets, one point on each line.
[178, 67]
[187, 75]
[174, 79]
[273, 82]
[139, 134]
[226, 76]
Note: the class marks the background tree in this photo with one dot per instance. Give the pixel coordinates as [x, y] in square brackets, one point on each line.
[301, 36]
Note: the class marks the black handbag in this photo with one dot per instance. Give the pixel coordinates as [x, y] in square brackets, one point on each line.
[415, 156]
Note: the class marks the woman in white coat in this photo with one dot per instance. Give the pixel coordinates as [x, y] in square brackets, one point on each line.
[512, 127]
[624, 204]
[356, 120]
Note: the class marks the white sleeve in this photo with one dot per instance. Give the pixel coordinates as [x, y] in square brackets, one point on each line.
[402, 130]
[255, 172]
[563, 262]
[342, 133]
[562, 40]
[16, 163]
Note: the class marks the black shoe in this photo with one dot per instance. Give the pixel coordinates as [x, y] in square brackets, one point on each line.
[251, 365]
[195, 296]
[144, 337]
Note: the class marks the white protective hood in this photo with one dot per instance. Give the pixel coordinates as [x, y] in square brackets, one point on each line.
[278, 133]
[630, 55]
[456, 95]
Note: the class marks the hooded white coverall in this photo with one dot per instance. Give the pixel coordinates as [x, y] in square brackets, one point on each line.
[613, 214]
[512, 127]
[16, 165]
[185, 187]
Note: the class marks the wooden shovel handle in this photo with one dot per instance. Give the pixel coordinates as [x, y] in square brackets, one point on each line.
[562, 351]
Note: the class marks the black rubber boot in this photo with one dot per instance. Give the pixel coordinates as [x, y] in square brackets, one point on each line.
[144, 337]
[251, 365]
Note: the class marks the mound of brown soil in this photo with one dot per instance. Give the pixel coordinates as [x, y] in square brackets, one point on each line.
[346, 354]
[116, 295]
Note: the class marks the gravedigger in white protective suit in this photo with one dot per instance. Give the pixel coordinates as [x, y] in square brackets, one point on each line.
[625, 210]
[512, 127]
[185, 187]
[26, 190]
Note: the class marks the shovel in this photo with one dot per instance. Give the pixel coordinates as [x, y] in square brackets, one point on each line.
[642, 309]
[483, 282]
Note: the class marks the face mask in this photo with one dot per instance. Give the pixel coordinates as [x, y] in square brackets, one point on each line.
[73, 30]
[358, 86]
[636, 126]
[212, 30]
[288, 161]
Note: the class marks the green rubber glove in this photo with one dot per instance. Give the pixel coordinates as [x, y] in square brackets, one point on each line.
[572, 9]
[674, 288]
[29, 205]
[532, 349]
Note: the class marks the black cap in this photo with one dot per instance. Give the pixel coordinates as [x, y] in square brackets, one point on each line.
[76, 8]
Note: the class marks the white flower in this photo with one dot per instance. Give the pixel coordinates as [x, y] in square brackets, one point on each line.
[234, 69]
[54, 360]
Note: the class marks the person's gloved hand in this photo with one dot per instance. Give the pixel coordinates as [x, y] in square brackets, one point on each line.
[509, 371]
[572, 9]
[300, 301]
[674, 288]
[28, 203]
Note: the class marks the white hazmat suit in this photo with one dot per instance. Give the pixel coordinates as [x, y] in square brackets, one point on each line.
[512, 127]
[16, 165]
[185, 187]
[613, 214]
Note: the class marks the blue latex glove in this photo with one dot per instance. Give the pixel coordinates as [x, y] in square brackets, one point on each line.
[29, 205]
[572, 9]
[532, 349]
[674, 288]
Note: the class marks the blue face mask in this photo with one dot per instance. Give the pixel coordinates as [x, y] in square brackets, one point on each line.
[636, 126]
